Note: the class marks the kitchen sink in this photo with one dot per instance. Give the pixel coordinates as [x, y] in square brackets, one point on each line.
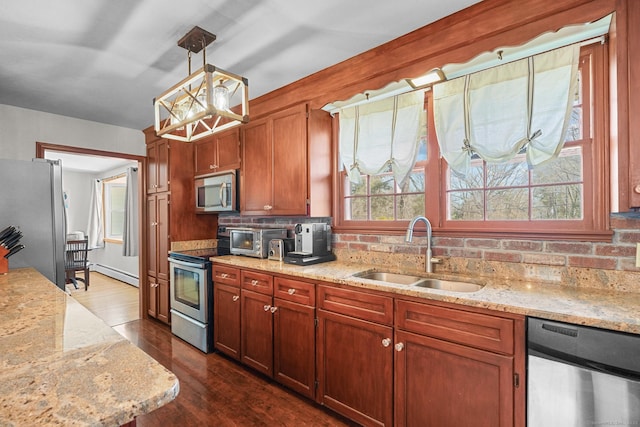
[419, 282]
[448, 285]
[383, 276]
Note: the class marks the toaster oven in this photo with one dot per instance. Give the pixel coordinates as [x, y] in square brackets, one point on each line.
[253, 242]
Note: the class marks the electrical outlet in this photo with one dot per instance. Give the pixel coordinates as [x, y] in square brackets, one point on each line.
[638, 255]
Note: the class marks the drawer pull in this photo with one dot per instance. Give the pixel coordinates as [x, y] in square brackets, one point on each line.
[254, 282]
[274, 309]
[267, 307]
[235, 298]
[399, 346]
[386, 342]
[291, 291]
[224, 275]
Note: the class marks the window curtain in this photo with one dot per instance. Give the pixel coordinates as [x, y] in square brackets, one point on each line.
[130, 229]
[95, 227]
[382, 135]
[497, 112]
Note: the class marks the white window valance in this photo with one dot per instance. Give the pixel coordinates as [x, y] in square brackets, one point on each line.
[382, 134]
[497, 112]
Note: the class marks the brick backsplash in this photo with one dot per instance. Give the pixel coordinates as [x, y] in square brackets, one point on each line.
[578, 263]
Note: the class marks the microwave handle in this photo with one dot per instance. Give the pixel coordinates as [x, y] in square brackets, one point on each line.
[223, 195]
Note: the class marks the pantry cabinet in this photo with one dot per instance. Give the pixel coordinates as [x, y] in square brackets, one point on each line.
[218, 152]
[169, 215]
[286, 164]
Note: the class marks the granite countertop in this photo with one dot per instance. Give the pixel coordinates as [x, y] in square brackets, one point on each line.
[609, 309]
[61, 365]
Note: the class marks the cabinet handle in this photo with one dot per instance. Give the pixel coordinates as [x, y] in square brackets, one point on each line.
[153, 224]
[154, 285]
[254, 282]
[268, 207]
[274, 309]
[267, 307]
[291, 291]
[235, 298]
[213, 166]
[224, 275]
[386, 342]
[637, 189]
[399, 346]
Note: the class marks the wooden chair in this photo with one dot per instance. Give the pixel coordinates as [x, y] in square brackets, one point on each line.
[76, 260]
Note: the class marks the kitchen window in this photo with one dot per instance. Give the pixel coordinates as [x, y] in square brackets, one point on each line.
[114, 201]
[566, 197]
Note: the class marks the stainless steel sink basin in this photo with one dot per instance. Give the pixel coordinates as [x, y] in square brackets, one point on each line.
[383, 276]
[419, 282]
[448, 285]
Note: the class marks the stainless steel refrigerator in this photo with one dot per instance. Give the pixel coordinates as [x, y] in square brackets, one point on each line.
[32, 200]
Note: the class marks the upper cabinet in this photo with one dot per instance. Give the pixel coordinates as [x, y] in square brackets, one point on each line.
[158, 166]
[217, 153]
[286, 164]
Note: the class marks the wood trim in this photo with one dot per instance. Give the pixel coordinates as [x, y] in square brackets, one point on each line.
[143, 279]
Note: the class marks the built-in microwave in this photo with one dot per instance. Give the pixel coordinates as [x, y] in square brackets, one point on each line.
[216, 192]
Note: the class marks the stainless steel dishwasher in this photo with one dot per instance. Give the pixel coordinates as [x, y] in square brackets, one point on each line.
[580, 376]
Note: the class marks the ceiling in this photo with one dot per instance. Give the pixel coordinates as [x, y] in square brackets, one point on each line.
[105, 60]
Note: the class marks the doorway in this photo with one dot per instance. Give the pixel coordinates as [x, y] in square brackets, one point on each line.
[89, 175]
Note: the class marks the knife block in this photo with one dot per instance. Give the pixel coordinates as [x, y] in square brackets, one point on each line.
[4, 263]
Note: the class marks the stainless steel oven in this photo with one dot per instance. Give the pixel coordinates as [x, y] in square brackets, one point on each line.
[580, 376]
[192, 297]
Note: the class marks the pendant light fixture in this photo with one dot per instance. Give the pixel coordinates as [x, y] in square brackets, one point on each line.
[201, 104]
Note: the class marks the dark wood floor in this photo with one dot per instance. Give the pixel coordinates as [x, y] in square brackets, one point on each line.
[216, 391]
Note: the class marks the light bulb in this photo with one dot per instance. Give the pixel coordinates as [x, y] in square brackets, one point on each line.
[221, 97]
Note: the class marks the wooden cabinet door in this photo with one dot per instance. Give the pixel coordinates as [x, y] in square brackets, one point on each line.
[163, 238]
[152, 297]
[355, 375]
[205, 156]
[226, 323]
[152, 237]
[162, 165]
[164, 306]
[290, 162]
[228, 150]
[152, 167]
[439, 383]
[294, 346]
[256, 182]
[256, 329]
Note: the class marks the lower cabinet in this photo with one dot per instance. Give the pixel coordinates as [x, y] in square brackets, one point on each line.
[355, 362]
[158, 299]
[377, 359]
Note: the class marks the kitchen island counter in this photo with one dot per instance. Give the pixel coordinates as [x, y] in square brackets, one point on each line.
[61, 365]
[604, 308]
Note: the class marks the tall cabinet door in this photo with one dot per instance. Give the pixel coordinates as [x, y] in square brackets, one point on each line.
[226, 319]
[290, 161]
[152, 236]
[163, 235]
[256, 182]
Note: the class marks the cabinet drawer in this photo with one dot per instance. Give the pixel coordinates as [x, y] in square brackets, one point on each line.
[477, 330]
[294, 291]
[257, 282]
[362, 305]
[227, 275]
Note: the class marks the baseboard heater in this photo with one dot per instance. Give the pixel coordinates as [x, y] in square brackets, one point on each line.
[117, 274]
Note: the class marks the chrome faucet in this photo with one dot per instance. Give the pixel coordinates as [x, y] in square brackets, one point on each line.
[409, 237]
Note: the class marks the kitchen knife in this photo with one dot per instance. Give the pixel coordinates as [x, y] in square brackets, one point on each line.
[14, 250]
[11, 241]
[7, 232]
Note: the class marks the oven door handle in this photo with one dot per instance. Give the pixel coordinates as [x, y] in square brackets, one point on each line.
[185, 263]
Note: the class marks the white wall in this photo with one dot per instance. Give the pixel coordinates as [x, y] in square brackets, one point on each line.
[20, 129]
